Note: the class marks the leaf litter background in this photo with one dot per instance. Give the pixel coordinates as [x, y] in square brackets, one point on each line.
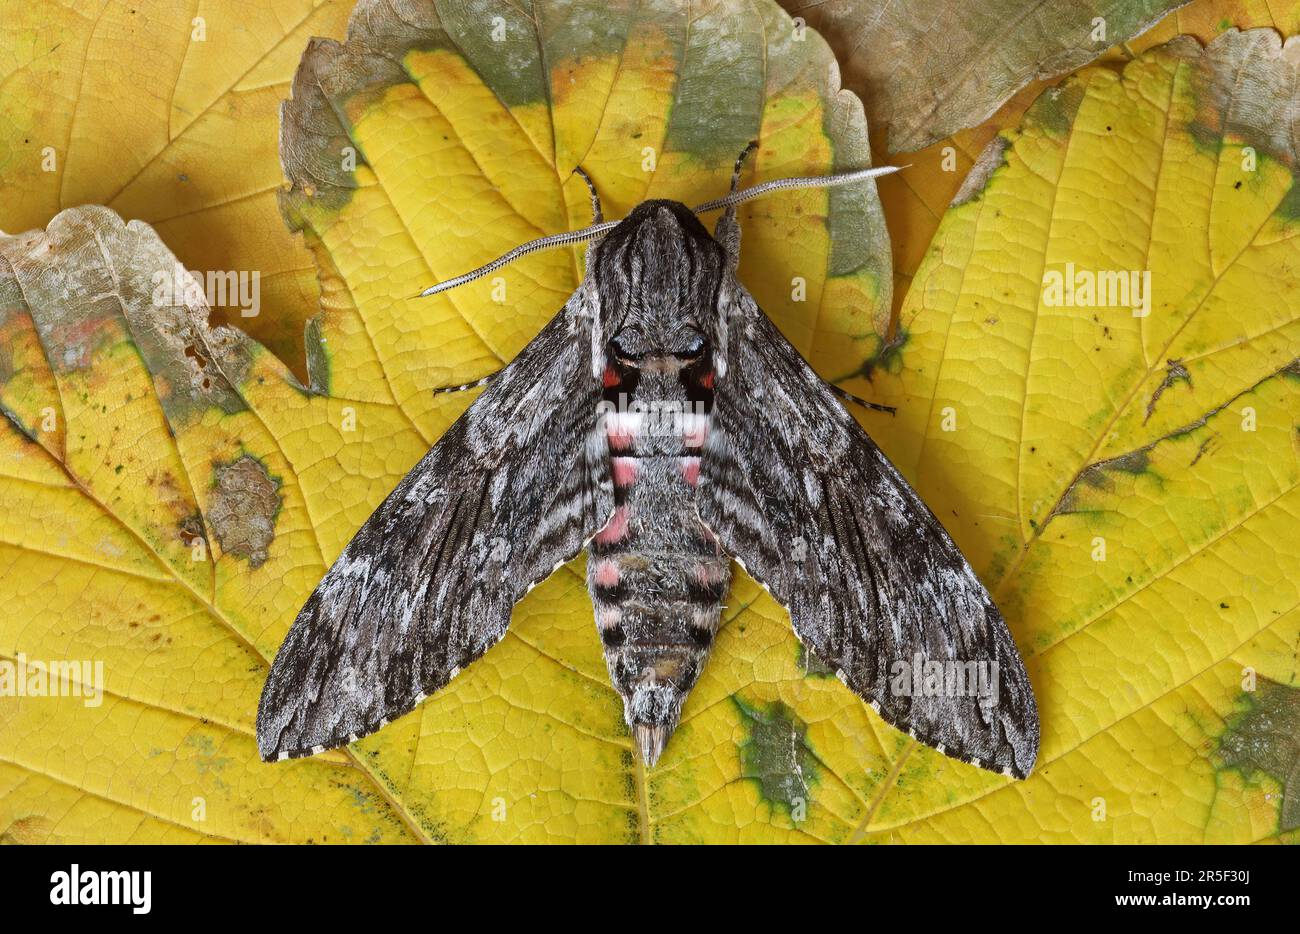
[168, 431]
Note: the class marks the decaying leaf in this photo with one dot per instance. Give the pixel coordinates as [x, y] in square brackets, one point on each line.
[1265, 738]
[915, 200]
[165, 112]
[165, 489]
[930, 68]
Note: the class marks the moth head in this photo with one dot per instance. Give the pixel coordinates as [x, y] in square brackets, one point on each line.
[658, 273]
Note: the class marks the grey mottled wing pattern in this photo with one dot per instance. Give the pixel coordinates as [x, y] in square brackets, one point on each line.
[798, 493]
[511, 491]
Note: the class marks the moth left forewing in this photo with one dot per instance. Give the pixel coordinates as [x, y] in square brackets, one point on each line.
[797, 492]
[506, 496]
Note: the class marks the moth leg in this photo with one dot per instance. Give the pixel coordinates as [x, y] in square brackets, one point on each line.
[596, 216]
[849, 397]
[463, 386]
[727, 232]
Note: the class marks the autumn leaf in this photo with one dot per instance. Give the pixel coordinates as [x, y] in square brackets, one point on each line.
[169, 113]
[1122, 469]
[200, 492]
[928, 68]
[153, 526]
[915, 200]
[173, 494]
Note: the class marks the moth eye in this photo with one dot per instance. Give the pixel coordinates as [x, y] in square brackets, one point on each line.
[694, 349]
[618, 347]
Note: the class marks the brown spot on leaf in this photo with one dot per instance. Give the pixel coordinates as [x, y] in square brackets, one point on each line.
[1238, 66]
[992, 158]
[28, 830]
[1266, 738]
[244, 507]
[192, 530]
[1175, 372]
[1139, 460]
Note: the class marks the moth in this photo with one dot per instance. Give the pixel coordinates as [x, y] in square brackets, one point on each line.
[662, 422]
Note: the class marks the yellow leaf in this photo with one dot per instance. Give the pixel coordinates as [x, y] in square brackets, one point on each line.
[165, 112]
[188, 494]
[1124, 474]
[154, 530]
[915, 200]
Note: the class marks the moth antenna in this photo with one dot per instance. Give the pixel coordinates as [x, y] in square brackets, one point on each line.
[727, 230]
[596, 215]
[598, 229]
[532, 246]
[780, 184]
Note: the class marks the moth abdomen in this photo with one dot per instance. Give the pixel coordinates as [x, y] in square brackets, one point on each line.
[657, 579]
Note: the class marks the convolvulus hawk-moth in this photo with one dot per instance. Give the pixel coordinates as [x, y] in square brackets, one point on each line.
[664, 423]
